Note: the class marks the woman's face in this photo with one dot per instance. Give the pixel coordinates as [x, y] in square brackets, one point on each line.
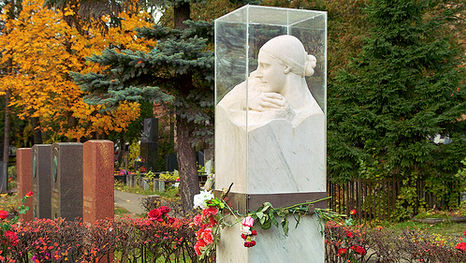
[272, 73]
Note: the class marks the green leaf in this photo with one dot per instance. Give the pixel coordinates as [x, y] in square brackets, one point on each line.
[260, 215]
[285, 226]
[263, 219]
[267, 205]
[298, 220]
[272, 219]
[267, 224]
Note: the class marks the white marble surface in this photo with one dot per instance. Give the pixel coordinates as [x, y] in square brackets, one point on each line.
[304, 244]
[274, 158]
[271, 138]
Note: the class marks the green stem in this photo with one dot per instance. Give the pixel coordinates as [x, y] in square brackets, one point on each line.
[307, 203]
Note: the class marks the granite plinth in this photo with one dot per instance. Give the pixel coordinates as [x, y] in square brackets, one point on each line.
[98, 198]
[41, 184]
[24, 174]
[67, 180]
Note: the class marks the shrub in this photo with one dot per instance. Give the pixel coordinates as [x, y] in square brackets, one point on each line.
[363, 244]
[128, 239]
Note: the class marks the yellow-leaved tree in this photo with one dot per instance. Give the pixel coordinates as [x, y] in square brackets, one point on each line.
[42, 49]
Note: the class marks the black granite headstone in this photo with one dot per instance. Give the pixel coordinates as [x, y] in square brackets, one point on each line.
[67, 180]
[172, 162]
[41, 185]
[149, 144]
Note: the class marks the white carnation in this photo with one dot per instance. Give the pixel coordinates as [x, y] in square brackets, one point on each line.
[201, 198]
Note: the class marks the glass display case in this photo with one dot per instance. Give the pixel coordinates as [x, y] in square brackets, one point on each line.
[270, 95]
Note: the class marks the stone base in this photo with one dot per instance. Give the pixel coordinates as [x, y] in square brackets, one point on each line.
[304, 244]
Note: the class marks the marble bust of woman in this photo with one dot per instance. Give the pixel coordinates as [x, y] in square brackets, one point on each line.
[277, 89]
[270, 131]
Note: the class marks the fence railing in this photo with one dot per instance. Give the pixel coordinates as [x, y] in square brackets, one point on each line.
[375, 199]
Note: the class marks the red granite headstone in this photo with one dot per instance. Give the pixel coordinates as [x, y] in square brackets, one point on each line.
[97, 180]
[24, 175]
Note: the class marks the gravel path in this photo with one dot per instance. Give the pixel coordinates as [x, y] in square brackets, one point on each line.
[129, 201]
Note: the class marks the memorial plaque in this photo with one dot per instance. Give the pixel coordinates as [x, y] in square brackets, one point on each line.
[41, 185]
[67, 180]
[24, 174]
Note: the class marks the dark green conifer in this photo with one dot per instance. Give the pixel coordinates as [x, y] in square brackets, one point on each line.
[396, 96]
[177, 71]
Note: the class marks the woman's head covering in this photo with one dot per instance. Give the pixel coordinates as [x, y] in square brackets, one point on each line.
[290, 51]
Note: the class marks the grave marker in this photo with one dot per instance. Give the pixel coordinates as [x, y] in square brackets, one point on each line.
[41, 184]
[98, 197]
[67, 180]
[24, 175]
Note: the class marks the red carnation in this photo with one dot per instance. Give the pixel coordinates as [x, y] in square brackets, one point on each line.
[164, 209]
[349, 234]
[3, 214]
[250, 243]
[198, 246]
[461, 246]
[358, 249]
[212, 221]
[155, 214]
[342, 251]
[207, 236]
[209, 211]
[253, 232]
[197, 220]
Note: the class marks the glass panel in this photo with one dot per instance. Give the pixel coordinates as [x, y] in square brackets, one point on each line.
[230, 97]
[271, 150]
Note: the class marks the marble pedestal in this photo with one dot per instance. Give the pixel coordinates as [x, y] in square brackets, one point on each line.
[304, 244]
[67, 180]
[24, 175]
[98, 196]
[41, 184]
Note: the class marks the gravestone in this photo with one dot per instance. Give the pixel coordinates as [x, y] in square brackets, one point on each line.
[41, 185]
[67, 180]
[98, 197]
[270, 132]
[149, 144]
[24, 175]
[172, 162]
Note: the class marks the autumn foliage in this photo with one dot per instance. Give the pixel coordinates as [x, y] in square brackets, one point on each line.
[41, 49]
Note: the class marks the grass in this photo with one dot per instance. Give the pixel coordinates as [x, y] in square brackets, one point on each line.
[443, 229]
[120, 211]
[135, 190]
[170, 193]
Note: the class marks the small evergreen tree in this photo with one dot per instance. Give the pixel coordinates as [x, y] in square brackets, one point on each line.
[178, 71]
[400, 92]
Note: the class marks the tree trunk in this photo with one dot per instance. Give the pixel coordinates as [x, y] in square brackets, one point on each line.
[189, 182]
[6, 148]
[181, 13]
[37, 132]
